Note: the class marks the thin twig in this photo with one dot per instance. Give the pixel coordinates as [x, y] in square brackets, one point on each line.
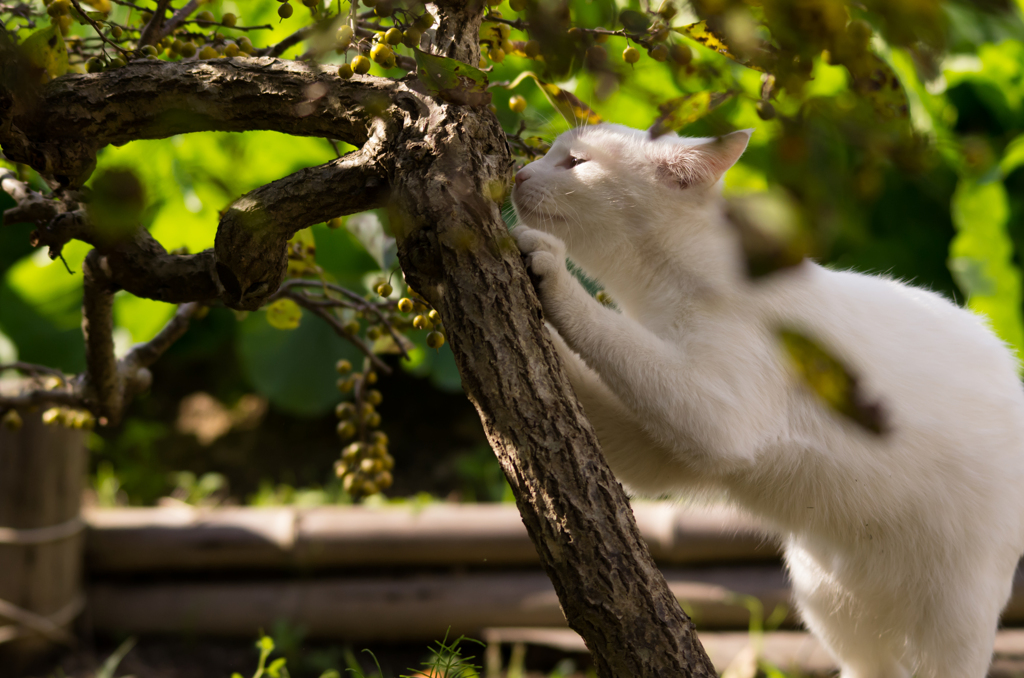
[29, 368]
[179, 16]
[333, 321]
[96, 28]
[360, 303]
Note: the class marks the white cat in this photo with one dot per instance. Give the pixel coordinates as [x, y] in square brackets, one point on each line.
[901, 547]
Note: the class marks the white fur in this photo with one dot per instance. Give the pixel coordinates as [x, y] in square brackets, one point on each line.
[901, 547]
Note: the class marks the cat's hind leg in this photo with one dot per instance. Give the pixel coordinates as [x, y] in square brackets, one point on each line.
[860, 651]
[957, 631]
[840, 622]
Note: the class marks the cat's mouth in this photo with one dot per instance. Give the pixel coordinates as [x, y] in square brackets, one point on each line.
[539, 216]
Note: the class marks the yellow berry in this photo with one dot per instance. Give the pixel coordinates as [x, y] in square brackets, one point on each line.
[435, 340]
[383, 480]
[208, 52]
[229, 19]
[346, 429]
[361, 65]
[658, 52]
[385, 289]
[517, 103]
[374, 397]
[371, 377]
[421, 322]
[630, 55]
[405, 305]
[393, 36]
[231, 50]
[680, 53]
[285, 11]
[345, 410]
[12, 420]
[412, 37]
[381, 53]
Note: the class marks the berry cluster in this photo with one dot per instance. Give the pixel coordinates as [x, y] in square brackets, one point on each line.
[376, 39]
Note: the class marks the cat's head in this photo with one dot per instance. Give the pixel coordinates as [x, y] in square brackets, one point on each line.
[606, 182]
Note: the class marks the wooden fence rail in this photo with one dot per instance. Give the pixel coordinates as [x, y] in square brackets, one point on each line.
[395, 573]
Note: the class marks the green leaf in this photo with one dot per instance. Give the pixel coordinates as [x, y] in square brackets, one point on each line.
[700, 32]
[293, 369]
[274, 670]
[1013, 156]
[830, 379]
[875, 80]
[452, 80]
[47, 54]
[284, 314]
[681, 111]
[981, 258]
[565, 102]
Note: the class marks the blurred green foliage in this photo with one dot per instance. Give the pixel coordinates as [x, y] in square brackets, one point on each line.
[921, 179]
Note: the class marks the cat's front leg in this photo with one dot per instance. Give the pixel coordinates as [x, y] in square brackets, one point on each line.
[686, 404]
[561, 294]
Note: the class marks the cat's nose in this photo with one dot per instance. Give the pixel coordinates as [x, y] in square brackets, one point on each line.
[521, 176]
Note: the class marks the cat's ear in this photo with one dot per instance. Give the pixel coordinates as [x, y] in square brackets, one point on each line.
[686, 165]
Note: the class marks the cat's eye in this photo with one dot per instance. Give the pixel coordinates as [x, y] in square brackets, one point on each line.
[572, 161]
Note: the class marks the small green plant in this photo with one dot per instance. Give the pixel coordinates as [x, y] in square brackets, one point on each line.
[446, 661]
[107, 669]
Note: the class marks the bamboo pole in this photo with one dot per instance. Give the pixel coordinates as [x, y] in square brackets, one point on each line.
[42, 469]
[489, 535]
[421, 607]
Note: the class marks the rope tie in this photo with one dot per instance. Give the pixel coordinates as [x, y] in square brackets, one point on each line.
[48, 626]
[42, 535]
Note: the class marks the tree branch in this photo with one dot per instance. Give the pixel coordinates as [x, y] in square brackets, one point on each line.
[251, 244]
[58, 129]
[116, 382]
[102, 377]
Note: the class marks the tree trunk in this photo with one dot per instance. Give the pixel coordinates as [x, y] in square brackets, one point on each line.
[456, 252]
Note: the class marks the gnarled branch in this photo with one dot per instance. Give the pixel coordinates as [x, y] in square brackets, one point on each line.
[58, 129]
[251, 245]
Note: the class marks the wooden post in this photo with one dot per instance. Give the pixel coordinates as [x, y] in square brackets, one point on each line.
[42, 470]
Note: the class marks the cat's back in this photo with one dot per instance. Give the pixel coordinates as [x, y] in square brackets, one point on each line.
[902, 339]
[948, 388]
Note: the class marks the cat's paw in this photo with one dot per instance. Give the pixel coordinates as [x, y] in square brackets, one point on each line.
[543, 254]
